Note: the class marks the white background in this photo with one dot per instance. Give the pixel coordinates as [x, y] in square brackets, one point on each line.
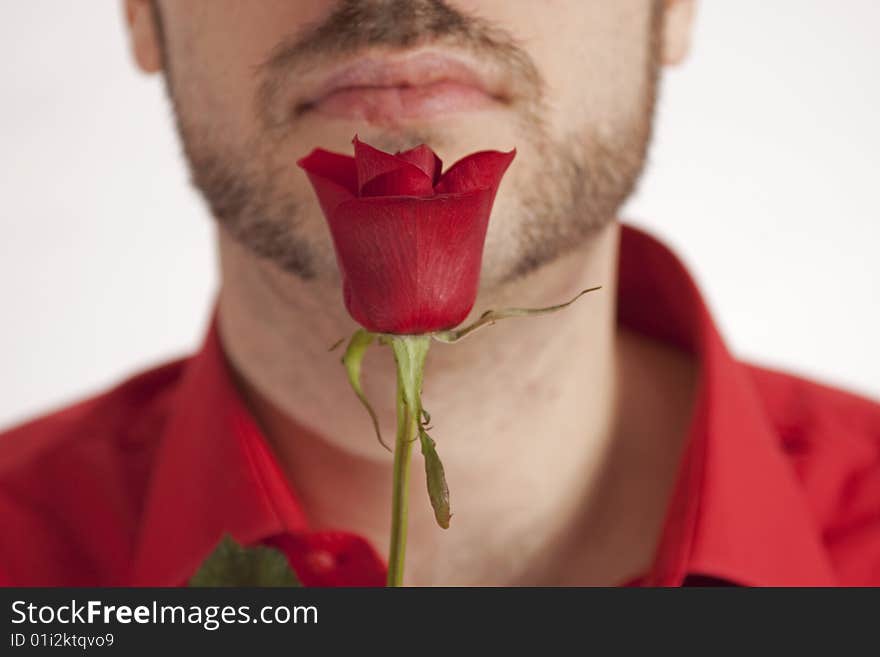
[764, 177]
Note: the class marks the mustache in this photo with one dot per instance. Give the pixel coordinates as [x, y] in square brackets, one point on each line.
[356, 26]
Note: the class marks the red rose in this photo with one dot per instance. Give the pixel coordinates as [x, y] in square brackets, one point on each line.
[409, 240]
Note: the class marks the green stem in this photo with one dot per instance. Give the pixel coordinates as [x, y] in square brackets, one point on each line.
[409, 355]
[399, 497]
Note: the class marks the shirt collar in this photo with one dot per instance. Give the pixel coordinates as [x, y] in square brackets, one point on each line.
[214, 474]
[736, 512]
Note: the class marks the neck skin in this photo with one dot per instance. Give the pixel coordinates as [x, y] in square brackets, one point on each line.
[560, 435]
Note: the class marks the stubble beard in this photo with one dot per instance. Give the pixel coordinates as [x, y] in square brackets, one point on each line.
[576, 187]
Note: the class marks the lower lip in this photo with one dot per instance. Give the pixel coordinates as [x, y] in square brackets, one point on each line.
[390, 104]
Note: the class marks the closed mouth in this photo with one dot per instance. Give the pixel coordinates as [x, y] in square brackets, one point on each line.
[415, 85]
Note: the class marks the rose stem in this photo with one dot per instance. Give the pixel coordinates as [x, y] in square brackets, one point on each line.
[409, 355]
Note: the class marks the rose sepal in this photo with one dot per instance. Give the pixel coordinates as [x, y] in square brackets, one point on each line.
[491, 316]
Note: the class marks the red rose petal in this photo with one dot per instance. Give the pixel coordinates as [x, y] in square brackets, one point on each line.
[401, 182]
[371, 162]
[411, 265]
[332, 175]
[332, 166]
[425, 159]
[482, 170]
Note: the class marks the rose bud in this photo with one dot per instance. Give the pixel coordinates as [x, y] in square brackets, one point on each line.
[408, 238]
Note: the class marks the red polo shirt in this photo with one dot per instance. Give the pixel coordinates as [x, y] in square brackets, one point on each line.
[779, 484]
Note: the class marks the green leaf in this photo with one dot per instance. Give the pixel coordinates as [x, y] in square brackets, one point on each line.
[354, 355]
[438, 491]
[231, 564]
[492, 316]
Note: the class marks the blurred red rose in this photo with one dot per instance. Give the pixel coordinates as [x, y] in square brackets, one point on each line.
[409, 240]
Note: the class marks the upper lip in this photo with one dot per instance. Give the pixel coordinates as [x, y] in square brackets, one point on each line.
[408, 70]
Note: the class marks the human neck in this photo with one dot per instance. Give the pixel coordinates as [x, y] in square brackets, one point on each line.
[523, 414]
